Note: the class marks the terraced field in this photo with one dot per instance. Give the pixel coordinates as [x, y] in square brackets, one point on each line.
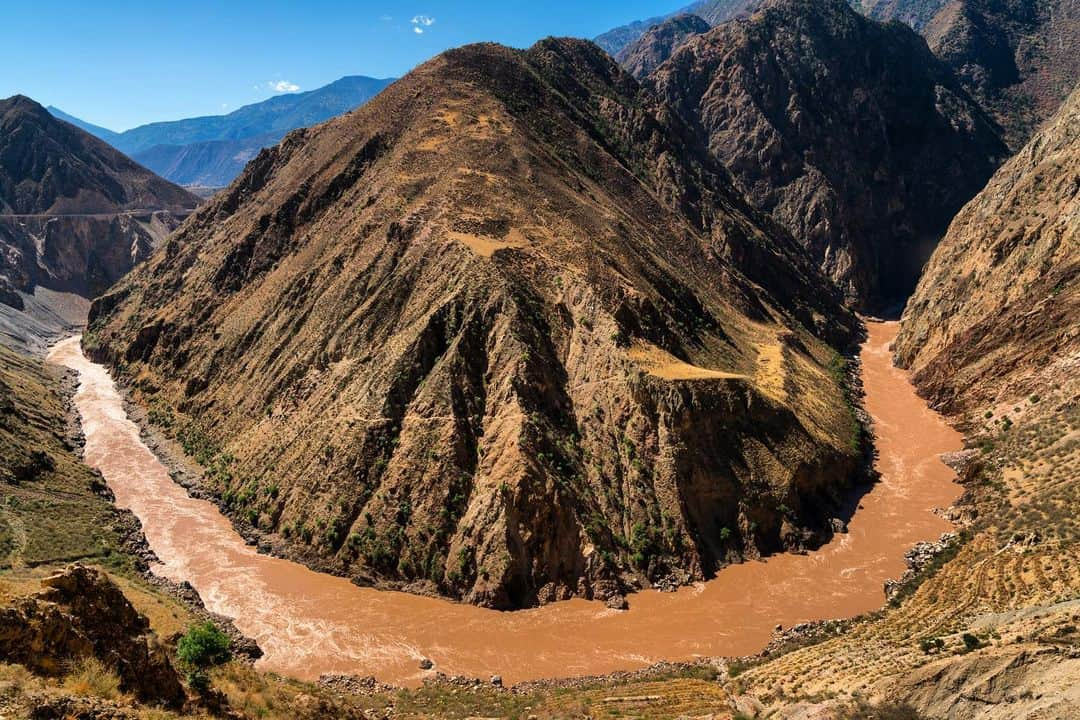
[1010, 584]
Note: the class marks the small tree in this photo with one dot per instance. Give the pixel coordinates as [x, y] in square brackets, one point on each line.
[201, 647]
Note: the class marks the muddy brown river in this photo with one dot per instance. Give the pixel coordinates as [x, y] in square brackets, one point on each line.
[309, 623]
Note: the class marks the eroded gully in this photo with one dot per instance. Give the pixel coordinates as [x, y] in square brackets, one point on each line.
[310, 623]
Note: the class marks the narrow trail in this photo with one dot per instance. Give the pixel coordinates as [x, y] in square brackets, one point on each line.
[310, 623]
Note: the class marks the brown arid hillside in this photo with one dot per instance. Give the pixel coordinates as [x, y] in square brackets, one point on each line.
[49, 167]
[999, 299]
[849, 132]
[1018, 58]
[654, 47]
[75, 215]
[503, 334]
[988, 629]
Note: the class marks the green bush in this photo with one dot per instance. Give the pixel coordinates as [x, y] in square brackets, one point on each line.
[202, 646]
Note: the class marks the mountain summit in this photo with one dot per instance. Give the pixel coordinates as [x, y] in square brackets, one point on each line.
[50, 167]
[505, 333]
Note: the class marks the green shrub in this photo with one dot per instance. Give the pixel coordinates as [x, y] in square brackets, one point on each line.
[203, 645]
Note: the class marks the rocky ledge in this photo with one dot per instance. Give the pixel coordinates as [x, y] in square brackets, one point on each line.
[81, 613]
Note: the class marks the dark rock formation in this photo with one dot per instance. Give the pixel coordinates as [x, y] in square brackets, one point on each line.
[656, 45]
[713, 12]
[1018, 58]
[81, 613]
[850, 133]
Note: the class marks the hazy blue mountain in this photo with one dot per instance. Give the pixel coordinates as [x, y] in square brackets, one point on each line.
[97, 131]
[211, 164]
[212, 150]
[277, 115]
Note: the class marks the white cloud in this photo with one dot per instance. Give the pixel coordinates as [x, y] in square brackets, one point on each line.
[425, 20]
[282, 86]
[418, 30]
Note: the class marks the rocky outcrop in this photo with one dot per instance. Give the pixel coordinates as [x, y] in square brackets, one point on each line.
[656, 45]
[79, 254]
[850, 133]
[81, 613]
[1033, 680]
[997, 307]
[506, 334]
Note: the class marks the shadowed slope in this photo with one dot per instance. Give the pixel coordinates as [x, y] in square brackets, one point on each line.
[847, 131]
[403, 341]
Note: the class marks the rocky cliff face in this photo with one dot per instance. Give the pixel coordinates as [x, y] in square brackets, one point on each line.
[504, 334]
[1001, 296]
[849, 132]
[75, 215]
[656, 45]
[989, 629]
[84, 255]
[1019, 58]
[81, 613]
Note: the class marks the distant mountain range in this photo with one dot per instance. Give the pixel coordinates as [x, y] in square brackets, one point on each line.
[1018, 59]
[210, 151]
[916, 13]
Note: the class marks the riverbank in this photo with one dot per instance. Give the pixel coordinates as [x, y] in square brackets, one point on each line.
[310, 624]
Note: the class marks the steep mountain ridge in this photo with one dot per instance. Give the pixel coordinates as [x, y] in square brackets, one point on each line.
[849, 132]
[490, 336]
[48, 167]
[1019, 58]
[658, 43]
[1000, 298]
[75, 214]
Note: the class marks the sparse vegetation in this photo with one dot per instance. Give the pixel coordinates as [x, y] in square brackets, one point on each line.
[89, 676]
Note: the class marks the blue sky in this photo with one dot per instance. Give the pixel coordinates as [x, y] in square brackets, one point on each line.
[120, 64]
